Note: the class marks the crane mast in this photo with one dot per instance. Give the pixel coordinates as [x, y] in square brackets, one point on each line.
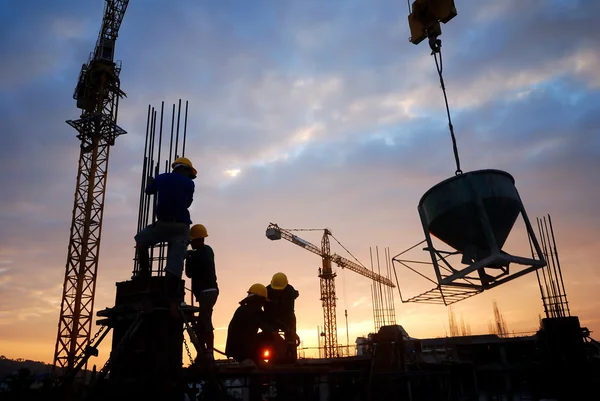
[328, 299]
[97, 94]
[327, 276]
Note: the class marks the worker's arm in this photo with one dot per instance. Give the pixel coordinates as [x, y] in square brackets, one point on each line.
[190, 197]
[263, 323]
[189, 265]
[151, 186]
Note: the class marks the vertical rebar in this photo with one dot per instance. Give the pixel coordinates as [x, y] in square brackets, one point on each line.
[162, 110]
[546, 312]
[143, 181]
[172, 128]
[177, 135]
[564, 291]
[373, 296]
[559, 301]
[347, 332]
[152, 140]
[544, 273]
[184, 128]
[374, 309]
[152, 204]
[380, 289]
[389, 294]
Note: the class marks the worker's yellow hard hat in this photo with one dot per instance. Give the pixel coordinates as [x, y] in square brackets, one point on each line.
[258, 289]
[279, 281]
[198, 231]
[186, 162]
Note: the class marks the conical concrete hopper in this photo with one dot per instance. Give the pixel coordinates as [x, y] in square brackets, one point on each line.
[461, 210]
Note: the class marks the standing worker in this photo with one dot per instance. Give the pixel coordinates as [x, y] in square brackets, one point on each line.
[243, 340]
[174, 191]
[280, 311]
[200, 268]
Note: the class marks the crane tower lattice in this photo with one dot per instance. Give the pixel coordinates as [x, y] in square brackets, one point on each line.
[97, 95]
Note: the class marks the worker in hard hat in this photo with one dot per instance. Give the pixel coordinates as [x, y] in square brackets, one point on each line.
[174, 195]
[280, 310]
[200, 268]
[242, 334]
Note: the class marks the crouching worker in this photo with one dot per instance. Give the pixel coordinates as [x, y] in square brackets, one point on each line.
[200, 268]
[243, 339]
[280, 310]
[174, 193]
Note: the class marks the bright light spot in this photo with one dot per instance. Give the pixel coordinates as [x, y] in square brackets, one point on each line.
[266, 355]
[233, 172]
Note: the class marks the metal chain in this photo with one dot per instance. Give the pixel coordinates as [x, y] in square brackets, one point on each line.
[187, 349]
[91, 343]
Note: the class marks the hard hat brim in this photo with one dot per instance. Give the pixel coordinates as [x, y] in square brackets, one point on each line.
[255, 295]
[191, 168]
[278, 287]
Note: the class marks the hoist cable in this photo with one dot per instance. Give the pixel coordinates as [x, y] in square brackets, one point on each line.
[436, 49]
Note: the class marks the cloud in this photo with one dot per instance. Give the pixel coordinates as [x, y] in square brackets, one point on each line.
[306, 114]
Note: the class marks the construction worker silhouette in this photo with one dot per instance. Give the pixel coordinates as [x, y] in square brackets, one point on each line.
[200, 268]
[174, 191]
[243, 340]
[280, 310]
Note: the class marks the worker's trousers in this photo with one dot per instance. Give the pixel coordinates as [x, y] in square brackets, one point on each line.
[175, 234]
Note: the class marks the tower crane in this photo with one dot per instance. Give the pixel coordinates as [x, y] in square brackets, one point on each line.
[97, 94]
[327, 276]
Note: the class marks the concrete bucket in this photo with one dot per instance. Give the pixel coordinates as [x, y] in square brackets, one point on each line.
[463, 211]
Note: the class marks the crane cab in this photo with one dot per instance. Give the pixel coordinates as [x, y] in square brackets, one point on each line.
[106, 50]
[273, 233]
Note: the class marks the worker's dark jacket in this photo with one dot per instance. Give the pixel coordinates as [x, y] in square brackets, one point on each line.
[175, 195]
[281, 307]
[200, 268]
[242, 332]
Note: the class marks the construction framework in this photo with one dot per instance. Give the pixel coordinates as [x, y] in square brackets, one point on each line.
[97, 94]
[154, 156]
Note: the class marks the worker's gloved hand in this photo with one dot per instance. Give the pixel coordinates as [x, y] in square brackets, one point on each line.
[149, 180]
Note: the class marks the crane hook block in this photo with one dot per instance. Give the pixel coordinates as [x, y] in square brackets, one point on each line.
[425, 18]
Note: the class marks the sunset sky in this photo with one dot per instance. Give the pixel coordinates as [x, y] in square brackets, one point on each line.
[309, 114]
